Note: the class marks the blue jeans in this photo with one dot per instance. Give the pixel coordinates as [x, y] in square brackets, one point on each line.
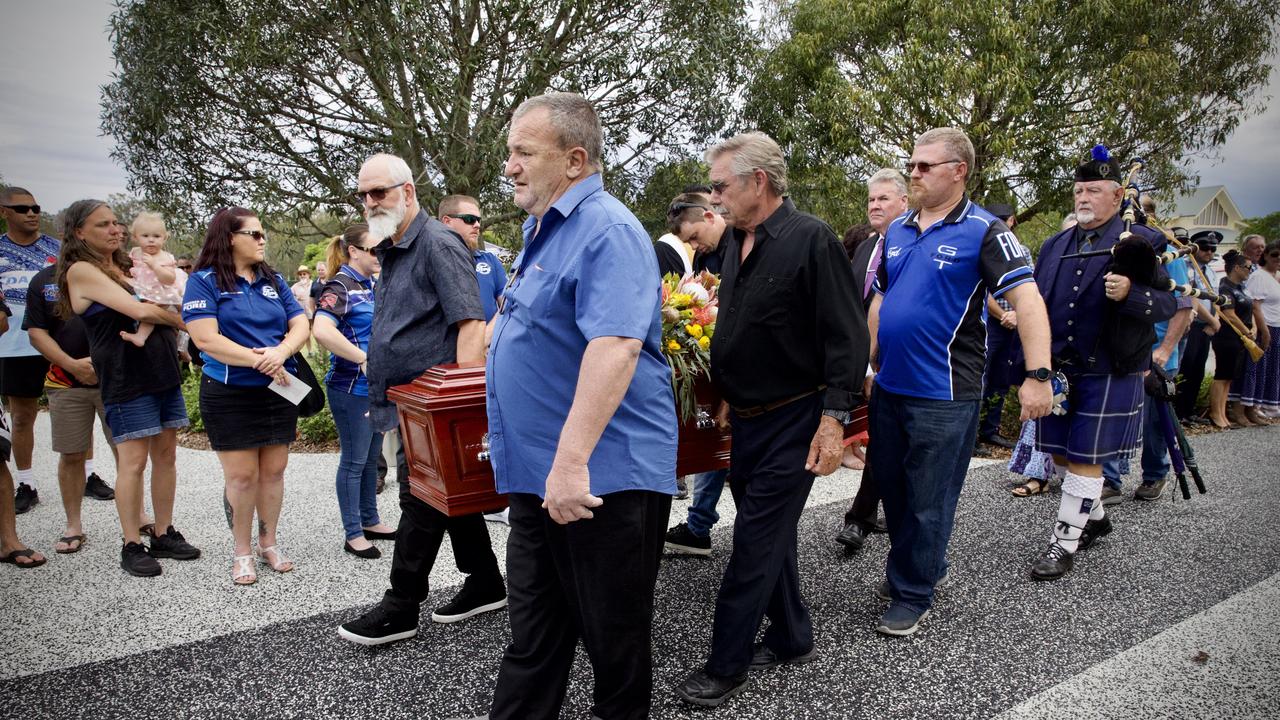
[1155, 453]
[920, 451]
[707, 487]
[357, 482]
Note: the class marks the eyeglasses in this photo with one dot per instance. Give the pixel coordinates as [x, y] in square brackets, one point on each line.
[677, 208]
[467, 218]
[255, 234]
[718, 187]
[1273, 254]
[25, 209]
[376, 194]
[925, 167]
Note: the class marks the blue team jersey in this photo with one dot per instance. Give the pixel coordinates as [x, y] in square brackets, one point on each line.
[253, 315]
[934, 282]
[492, 278]
[347, 300]
[18, 265]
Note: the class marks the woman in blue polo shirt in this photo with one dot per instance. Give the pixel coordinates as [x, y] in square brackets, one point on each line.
[247, 324]
[343, 322]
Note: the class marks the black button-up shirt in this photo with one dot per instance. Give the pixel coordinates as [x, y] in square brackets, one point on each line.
[427, 285]
[789, 319]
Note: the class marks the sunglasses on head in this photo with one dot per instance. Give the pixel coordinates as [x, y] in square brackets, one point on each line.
[925, 167]
[25, 209]
[467, 218]
[255, 234]
[677, 208]
[376, 194]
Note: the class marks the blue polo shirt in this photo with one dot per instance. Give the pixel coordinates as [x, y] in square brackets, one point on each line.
[492, 278]
[934, 281]
[588, 272]
[1178, 271]
[347, 300]
[253, 315]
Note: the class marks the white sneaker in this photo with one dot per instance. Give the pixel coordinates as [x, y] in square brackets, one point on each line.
[499, 517]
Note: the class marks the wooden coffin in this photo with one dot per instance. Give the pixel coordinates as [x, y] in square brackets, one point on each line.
[443, 426]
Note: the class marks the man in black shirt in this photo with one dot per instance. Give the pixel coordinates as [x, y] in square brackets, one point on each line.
[74, 400]
[789, 356]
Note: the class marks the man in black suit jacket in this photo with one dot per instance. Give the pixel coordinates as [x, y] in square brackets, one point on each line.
[886, 200]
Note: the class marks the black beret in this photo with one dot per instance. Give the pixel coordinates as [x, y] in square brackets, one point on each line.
[1001, 210]
[1100, 166]
[1207, 239]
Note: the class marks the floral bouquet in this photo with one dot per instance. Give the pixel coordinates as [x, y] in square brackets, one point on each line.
[689, 307]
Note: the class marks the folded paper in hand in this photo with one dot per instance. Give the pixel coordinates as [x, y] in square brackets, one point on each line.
[294, 392]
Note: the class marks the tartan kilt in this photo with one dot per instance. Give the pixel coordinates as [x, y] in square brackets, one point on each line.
[1104, 422]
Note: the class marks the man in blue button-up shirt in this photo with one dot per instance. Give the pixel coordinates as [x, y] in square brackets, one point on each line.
[582, 424]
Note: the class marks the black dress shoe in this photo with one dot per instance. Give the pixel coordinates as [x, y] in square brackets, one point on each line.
[369, 553]
[703, 688]
[1053, 563]
[881, 526]
[764, 657]
[1093, 530]
[375, 535]
[852, 536]
[997, 441]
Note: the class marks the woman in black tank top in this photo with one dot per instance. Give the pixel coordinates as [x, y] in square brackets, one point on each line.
[140, 385]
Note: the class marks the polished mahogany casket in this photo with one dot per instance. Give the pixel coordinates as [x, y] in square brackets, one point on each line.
[444, 427]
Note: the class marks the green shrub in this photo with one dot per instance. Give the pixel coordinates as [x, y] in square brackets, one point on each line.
[191, 395]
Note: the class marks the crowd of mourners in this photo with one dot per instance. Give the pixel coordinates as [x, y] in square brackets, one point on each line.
[930, 312]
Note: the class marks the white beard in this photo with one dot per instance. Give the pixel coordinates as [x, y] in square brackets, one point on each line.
[1085, 217]
[384, 223]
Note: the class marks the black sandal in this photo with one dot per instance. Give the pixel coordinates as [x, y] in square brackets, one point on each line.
[68, 540]
[1030, 488]
[12, 559]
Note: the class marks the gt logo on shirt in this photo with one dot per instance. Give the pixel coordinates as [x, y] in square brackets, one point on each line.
[483, 268]
[270, 292]
[943, 254]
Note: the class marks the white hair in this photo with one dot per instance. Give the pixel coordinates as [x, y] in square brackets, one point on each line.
[397, 169]
[888, 175]
[754, 151]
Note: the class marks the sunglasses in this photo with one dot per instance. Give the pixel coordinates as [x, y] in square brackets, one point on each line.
[376, 194]
[677, 208]
[25, 209]
[467, 218]
[1273, 254]
[255, 234]
[925, 167]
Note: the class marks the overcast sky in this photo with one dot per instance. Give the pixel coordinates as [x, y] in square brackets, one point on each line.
[50, 142]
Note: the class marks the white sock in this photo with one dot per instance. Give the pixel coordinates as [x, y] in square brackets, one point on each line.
[88, 468]
[1097, 513]
[1080, 495]
[26, 476]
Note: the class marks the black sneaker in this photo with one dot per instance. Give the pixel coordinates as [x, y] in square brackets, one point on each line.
[95, 488]
[172, 545]
[25, 498]
[682, 541]
[136, 561]
[379, 626]
[470, 602]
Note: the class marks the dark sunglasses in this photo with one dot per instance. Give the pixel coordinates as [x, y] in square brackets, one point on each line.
[467, 218]
[1273, 254]
[25, 209]
[677, 208]
[718, 187]
[926, 167]
[376, 194]
[255, 234]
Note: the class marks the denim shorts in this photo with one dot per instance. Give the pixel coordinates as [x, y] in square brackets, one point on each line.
[146, 415]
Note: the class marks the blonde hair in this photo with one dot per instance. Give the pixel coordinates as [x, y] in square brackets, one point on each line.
[338, 253]
[147, 217]
[956, 143]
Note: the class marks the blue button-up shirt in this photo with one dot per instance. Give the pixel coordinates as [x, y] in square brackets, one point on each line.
[587, 272]
[254, 315]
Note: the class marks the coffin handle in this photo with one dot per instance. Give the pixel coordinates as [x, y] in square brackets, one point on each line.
[483, 455]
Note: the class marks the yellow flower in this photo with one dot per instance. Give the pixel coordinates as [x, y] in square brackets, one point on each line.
[704, 342]
[673, 345]
[681, 300]
[694, 329]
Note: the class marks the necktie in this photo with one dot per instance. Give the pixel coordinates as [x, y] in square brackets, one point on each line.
[872, 268]
[1086, 242]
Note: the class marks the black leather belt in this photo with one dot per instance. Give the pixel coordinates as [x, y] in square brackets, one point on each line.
[759, 410]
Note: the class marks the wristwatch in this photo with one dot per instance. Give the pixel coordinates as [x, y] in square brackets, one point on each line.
[1042, 374]
[844, 416]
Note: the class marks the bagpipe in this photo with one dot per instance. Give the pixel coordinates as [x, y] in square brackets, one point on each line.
[1134, 258]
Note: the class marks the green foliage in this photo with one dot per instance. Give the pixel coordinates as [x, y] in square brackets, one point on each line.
[668, 180]
[1034, 83]
[1268, 226]
[273, 104]
[191, 396]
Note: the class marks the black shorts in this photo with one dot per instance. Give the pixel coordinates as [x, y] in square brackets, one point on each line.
[242, 417]
[23, 376]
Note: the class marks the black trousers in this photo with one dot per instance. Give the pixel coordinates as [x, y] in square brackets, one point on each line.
[866, 503]
[418, 538]
[770, 486]
[591, 579]
[1191, 370]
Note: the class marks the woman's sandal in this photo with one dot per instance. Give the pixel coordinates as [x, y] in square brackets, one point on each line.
[242, 568]
[282, 563]
[1031, 487]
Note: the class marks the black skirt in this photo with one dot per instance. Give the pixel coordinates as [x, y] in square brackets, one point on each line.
[241, 417]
